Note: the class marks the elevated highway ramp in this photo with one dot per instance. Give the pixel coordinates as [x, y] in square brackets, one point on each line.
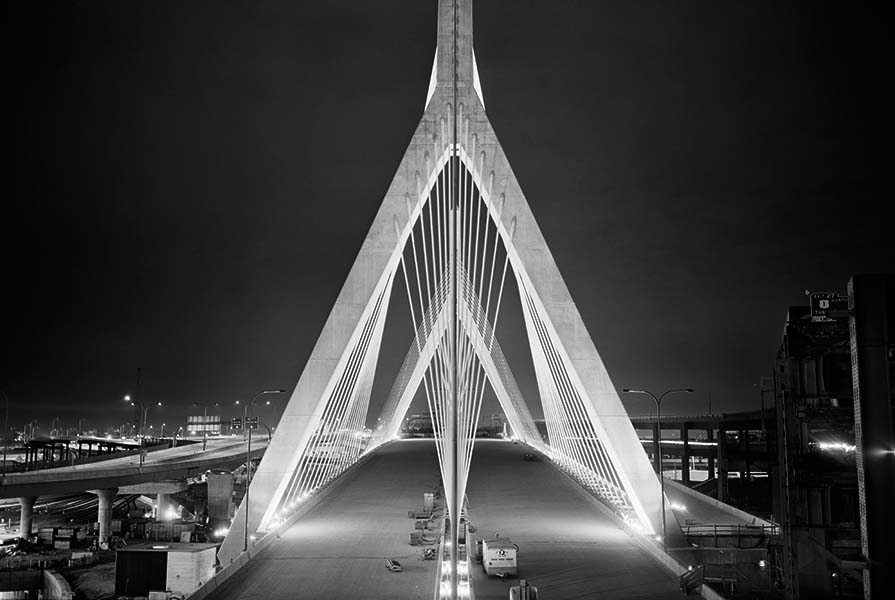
[175, 463]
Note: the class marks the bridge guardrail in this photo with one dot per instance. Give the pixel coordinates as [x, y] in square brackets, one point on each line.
[705, 532]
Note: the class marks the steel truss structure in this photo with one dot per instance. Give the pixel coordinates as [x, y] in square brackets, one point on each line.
[452, 226]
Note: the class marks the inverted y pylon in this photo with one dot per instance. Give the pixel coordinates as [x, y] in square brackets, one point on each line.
[589, 433]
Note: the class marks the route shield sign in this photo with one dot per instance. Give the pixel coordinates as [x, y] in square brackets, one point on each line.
[825, 306]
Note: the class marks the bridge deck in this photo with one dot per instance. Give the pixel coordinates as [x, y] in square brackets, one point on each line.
[568, 548]
[337, 550]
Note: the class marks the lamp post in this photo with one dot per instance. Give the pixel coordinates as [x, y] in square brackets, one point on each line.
[53, 431]
[659, 426]
[144, 411]
[80, 430]
[205, 406]
[245, 423]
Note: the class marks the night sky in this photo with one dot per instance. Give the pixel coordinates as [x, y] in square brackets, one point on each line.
[194, 179]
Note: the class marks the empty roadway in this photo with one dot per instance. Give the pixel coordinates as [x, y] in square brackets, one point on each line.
[338, 549]
[569, 547]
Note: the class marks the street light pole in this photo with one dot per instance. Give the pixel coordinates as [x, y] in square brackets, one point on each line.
[245, 423]
[143, 412]
[81, 420]
[659, 426]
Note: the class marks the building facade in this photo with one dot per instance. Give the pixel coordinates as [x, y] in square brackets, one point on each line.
[833, 398]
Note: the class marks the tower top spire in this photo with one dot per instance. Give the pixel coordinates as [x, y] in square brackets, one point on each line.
[455, 16]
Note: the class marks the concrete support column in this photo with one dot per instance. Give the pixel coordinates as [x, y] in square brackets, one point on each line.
[27, 515]
[657, 456]
[220, 496]
[162, 507]
[685, 454]
[710, 436]
[104, 517]
[722, 464]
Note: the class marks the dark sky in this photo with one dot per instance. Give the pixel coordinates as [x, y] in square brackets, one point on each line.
[193, 181]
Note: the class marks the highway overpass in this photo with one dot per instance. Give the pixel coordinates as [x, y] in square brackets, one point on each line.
[160, 473]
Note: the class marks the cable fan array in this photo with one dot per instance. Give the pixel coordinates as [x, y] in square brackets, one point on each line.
[339, 438]
[454, 269]
[454, 263]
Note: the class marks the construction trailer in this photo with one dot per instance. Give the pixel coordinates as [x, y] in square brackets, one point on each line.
[499, 557]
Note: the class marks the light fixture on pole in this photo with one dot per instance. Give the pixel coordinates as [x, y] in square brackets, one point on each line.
[245, 423]
[144, 412]
[659, 450]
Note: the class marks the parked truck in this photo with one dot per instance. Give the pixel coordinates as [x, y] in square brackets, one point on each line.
[499, 557]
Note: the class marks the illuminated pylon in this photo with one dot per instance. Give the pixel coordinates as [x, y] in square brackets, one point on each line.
[453, 223]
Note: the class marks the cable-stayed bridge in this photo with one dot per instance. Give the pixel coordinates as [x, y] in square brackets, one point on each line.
[455, 240]
[453, 229]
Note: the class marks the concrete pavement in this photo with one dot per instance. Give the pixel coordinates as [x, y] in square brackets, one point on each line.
[338, 549]
[569, 547]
